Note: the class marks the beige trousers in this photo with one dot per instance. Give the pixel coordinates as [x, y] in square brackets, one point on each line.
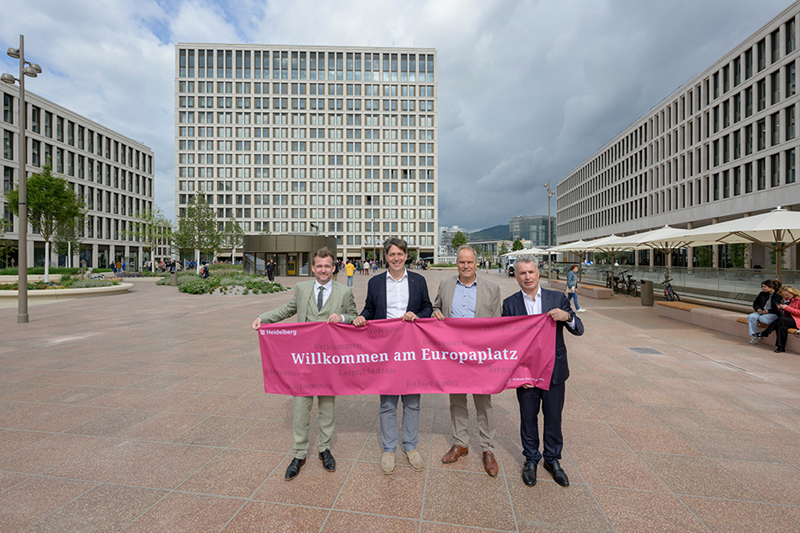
[302, 421]
[460, 417]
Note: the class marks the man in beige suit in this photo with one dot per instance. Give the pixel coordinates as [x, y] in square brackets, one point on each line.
[463, 296]
[321, 300]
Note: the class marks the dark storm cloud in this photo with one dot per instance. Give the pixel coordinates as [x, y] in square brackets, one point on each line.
[527, 89]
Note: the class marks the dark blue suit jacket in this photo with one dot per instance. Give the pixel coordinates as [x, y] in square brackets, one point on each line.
[514, 305]
[418, 301]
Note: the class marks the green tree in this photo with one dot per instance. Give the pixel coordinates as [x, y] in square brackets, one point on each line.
[517, 245]
[6, 247]
[458, 240]
[197, 229]
[68, 238]
[234, 236]
[503, 250]
[705, 256]
[413, 255]
[149, 228]
[52, 203]
[737, 254]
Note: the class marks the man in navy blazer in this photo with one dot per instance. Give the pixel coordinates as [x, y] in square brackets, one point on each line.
[533, 300]
[397, 293]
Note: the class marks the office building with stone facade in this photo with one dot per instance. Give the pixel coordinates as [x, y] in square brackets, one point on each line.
[112, 173]
[315, 140]
[721, 147]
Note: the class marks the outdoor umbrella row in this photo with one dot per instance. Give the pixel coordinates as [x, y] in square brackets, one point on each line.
[777, 230]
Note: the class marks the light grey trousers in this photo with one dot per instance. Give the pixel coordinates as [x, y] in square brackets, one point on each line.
[388, 418]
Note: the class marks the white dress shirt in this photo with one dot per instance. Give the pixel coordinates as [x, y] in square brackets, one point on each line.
[396, 295]
[534, 307]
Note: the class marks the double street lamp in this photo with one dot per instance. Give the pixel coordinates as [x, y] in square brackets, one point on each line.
[550, 194]
[25, 69]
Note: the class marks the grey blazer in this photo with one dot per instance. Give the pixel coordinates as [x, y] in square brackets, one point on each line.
[488, 302]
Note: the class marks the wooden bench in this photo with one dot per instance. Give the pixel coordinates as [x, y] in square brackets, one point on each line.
[588, 290]
[743, 320]
[719, 320]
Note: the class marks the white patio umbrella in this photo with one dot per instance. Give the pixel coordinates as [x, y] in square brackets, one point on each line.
[527, 251]
[576, 247]
[777, 230]
[611, 245]
[665, 240]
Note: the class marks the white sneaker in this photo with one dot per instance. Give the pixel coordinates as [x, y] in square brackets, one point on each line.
[387, 463]
[581, 310]
[754, 339]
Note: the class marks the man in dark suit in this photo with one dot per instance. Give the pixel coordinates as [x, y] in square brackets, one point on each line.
[397, 293]
[533, 300]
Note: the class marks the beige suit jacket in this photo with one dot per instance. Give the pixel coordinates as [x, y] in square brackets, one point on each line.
[488, 302]
[304, 305]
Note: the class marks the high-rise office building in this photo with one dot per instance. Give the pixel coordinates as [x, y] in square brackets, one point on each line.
[112, 173]
[721, 147]
[534, 228]
[337, 141]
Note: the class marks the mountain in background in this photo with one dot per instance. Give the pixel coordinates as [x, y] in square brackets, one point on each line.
[495, 233]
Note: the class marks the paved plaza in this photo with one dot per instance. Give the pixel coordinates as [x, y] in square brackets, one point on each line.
[145, 412]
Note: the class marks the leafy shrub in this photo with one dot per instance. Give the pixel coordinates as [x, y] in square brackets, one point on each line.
[53, 270]
[87, 283]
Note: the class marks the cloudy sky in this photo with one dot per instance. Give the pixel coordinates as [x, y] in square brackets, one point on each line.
[527, 89]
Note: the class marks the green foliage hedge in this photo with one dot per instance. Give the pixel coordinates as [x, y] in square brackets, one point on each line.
[53, 270]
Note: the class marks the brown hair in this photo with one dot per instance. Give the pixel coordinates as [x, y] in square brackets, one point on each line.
[574, 266]
[322, 253]
[395, 241]
[773, 284]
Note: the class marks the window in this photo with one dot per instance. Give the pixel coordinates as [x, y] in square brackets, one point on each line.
[775, 46]
[761, 133]
[8, 144]
[8, 108]
[748, 177]
[790, 166]
[761, 88]
[790, 123]
[737, 71]
[748, 102]
[762, 174]
[775, 128]
[775, 171]
[775, 82]
[36, 119]
[789, 73]
[748, 64]
[761, 50]
[790, 32]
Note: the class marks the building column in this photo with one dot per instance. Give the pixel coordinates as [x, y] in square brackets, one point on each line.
[652, 258]
[689, 250]
[94, 256]
[748, 251]
[111, 251]
[715, 249]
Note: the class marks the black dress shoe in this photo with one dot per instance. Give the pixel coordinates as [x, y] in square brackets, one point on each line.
[559, 476]
[529, 473]
[294, 468]
[780, 350]
[328, 462]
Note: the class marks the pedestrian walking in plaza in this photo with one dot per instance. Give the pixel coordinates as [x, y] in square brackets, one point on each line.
[572, 287]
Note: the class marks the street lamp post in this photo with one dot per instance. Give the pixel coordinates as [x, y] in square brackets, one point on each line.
[550, 194]
[25, 69]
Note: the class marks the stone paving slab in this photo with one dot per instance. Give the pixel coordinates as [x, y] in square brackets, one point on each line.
[145, 412]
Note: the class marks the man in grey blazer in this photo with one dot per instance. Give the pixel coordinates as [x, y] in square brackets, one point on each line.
[321, 300]
[463, 296]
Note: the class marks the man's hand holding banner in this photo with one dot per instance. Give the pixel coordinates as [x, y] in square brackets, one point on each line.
[476, 356]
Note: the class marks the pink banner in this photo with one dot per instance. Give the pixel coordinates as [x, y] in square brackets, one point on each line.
[457, 355]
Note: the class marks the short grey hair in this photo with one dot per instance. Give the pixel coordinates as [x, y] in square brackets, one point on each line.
[467, 247]
[527, 258]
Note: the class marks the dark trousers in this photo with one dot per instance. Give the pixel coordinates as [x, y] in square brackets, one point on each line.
[552, 404]
[781, 327]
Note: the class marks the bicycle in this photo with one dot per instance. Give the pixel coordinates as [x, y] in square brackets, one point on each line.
[608, 279]
[632, 287]
[619, 282]
[669, 294]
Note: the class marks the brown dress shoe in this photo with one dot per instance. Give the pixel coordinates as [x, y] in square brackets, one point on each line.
[489, 464]
[455, 452]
